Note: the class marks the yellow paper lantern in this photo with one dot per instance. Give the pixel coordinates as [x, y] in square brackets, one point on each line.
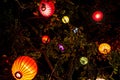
[83, 60]
[24, 68]
[104, 48]
[65, 19]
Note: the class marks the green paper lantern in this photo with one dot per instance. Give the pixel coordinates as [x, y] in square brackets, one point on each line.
[83, 60]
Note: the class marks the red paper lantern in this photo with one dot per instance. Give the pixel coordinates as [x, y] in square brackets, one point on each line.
[24, 68]
[97, 16]
[45, 39]
[46, 8]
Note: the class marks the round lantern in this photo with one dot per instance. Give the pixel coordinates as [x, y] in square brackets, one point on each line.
[97, 16]
[24, 68]
[61, 47]
[46, 8]
[100, 79]
[45, 39]
[65, 19]
[83, 60]
[104, 48]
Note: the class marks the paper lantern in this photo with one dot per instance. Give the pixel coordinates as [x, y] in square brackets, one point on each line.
[45, 39]
[100, 79]
[24, 68]
[61, 47]
[104, 48]
[75, 30]
[83, 60]
[65, 19]
[46, 8]
[97, 79]
[97, 16]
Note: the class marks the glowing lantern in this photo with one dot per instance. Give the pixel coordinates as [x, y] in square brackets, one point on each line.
[65, 19]
[75, 30]
[61, 47]
[104, 48]
[24, 68]
[45, 39]
[97, 79]
[97, 16]
[100, 79]
[46, 8]
[83, 60]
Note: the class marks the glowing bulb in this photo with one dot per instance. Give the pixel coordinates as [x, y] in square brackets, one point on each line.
[97, 16]
[18, 75]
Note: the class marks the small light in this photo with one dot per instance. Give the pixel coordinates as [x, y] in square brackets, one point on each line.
[18, 75]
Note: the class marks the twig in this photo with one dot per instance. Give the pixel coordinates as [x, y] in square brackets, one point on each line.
[48, 61]
[54, 69]
[21, 6]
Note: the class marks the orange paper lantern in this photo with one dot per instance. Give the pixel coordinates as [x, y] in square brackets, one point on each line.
[24, 68]
[104, 48]
[45, 39]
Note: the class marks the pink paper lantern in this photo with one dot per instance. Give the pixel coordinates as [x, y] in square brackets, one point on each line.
[61, 47]
[97, 16]
[46, 8]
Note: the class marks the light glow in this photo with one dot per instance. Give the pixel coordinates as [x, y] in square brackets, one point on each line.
[97, 16]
